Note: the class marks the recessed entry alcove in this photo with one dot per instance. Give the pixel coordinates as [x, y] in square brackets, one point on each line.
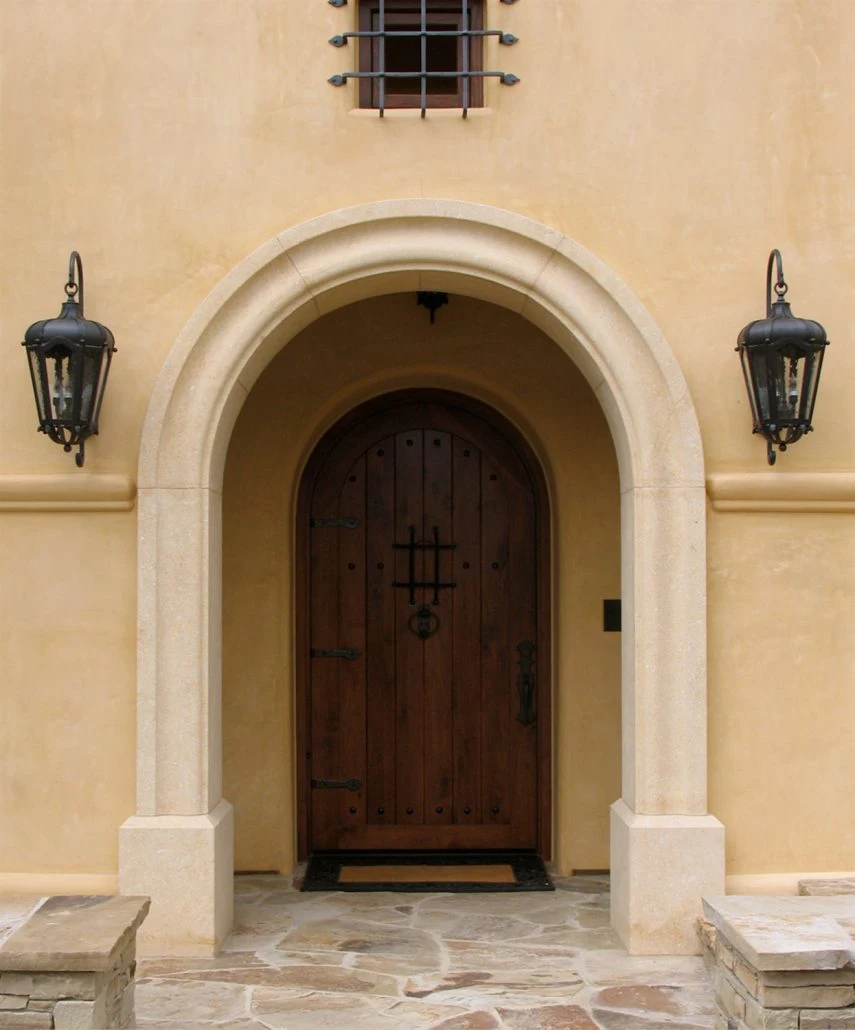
[664, 848]
[493, 360]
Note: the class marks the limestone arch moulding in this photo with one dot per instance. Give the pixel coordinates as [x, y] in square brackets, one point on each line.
[666, 850]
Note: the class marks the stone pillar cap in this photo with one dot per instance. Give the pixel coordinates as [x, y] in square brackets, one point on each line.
[788, 933]
[81, 933]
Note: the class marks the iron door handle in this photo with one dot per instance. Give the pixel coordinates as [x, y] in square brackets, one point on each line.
[525, 683]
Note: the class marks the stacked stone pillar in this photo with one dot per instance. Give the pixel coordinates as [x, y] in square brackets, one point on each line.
[782, 963]
[71, 965]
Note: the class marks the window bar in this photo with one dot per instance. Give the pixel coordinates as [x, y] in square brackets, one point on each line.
[505, 38]
[381, 57]
[423, 80]
[464, 73]
[465, 44]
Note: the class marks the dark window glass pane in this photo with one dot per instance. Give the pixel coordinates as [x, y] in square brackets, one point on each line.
[404, 54]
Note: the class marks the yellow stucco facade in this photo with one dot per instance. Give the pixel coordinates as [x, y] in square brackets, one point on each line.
[676, 141]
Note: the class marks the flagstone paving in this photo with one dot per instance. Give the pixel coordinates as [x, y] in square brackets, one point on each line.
[15, 909]
[433, 961]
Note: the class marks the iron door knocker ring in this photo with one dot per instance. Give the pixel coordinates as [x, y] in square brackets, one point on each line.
[420, 622]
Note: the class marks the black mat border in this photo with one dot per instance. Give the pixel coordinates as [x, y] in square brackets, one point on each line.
[529, 871]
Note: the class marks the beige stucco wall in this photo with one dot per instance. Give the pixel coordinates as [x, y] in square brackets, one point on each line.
[782, 708]
[677, 139]
[342, 358]
[67, 724]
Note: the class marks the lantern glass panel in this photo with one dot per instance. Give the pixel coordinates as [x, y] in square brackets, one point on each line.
[91, 367]
[783, 371]
[94, 384]
[61, 370]
[795, 371]
[756, 370]
[40, 384]
[813, 365]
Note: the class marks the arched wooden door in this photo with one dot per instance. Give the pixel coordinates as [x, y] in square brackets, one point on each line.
[426, 701]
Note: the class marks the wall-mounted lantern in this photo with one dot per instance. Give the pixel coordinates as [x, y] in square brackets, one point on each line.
[781, 360]
[69, 360]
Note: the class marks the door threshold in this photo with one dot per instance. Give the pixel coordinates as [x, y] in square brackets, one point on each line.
[433, 872]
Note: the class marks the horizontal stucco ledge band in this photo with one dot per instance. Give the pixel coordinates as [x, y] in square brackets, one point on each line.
[728, 492]
[782, 491]
[81, 492]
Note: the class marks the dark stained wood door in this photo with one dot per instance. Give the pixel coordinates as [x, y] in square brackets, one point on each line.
[425, 722]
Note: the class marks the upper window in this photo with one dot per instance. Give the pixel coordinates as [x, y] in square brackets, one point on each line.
[421, 54]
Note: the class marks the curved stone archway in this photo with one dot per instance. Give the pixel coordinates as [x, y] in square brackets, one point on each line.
[666, 849]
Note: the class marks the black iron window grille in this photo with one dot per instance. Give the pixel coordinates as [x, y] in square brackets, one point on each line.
[421, 54]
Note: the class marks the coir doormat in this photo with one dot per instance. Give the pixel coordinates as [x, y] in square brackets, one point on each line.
[426, 872]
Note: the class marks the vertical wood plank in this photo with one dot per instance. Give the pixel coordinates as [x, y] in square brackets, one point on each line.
[409, 666]
[496, 698]
[438, 670]
[351, 571]
[380, 632]
[468, 805]
[325, 702]
[522, 574]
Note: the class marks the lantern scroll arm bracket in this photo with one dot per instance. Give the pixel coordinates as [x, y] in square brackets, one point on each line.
[74, 286]
[780, 285]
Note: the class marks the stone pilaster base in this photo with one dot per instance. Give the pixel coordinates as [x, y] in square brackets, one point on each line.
[661, 865]
[185, 864]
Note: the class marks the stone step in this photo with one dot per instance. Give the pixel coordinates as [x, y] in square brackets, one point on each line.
[827, 888]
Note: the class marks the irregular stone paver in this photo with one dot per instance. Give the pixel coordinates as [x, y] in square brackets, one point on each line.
[433, 961]
[238, 943]
[479, 989]
[171, 966]
[584, 884]
[517, 957]
[277, 957]
[471, 1021]
[476, 927]
[175, 1001]
[329, 979]
[641, 1021]
[647, 999]
[585, 940]
[646, 1006]
[593, 918]
[550, 1017]
[237, 1024]
[414, 949]
[319, 1012]
[259, 919]
[615, 968]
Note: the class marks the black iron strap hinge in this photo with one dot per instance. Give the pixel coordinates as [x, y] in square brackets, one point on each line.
[347, 523]
[350, 654]
[352, 784]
